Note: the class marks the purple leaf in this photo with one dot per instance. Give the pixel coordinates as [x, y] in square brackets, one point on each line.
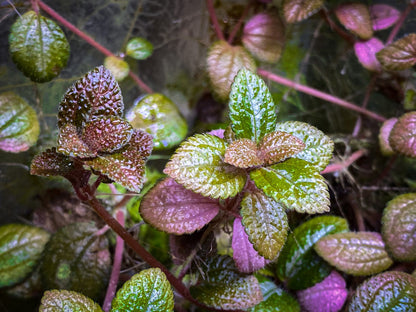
[245, 256]
[403, 135]
[326, 296]
[218, 133]
[356, 18]
[70, 144]
[366, 53]
[171, 208]
[383, 16]
[51, 163]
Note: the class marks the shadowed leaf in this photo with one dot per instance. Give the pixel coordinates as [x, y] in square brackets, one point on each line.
[383, 136]
[383, 16]
[64, 300]
[366, 53]
[356, 18]
[242, 153]
[399, 55]
[403, 135]
[298, 10]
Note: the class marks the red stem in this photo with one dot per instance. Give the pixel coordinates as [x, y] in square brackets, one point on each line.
[319, 94]
[341, 166]
[399, 23]
[348, 37]
[214, 20]
[238, 25]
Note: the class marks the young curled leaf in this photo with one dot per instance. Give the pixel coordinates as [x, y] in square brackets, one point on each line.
[64, 300]
[399, 55]
[242, 153]
[356, 18]
[298, 10]
[383, 16]
[403, 135]
[366, 53]
[383, 137]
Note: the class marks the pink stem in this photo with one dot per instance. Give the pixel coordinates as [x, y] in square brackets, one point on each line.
[214, 20]
[238, 25]
[399, 23]
[341, 166]
[319, 94]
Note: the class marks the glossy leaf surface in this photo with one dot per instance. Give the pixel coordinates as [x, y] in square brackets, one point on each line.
[68, 301]
[197, 164]
[242, 153]
[21, 248]
[295, 183]
[298, 10]
[139, 48]
[355, 253]
[19, 125]
[356, 18]
[403, 135]
[383, 16]
[38, 47]
[399, 55]
[383, 136]
[119, 68]
[366, 53]
[148, 291]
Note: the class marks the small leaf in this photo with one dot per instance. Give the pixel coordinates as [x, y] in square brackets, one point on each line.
[242, 153]
[298, 10]
[356, 18]
[197, 164]
[68, 301]
[38, 47]
[383, 137]
[139, 48]
[298, 264]
[265, 222]
[400, 54]
[278, 146]
[245, 256]
[326, 296]
[19, 125]
[223, 63]
[224, 287]
[355, 253]
[117, 66]
[385, 292]
[403, 135]
[21, 248]
[171, 208]
[383, 16]
[51, 163]
[295, 183]
[399, 227]
[252, 111]
[366, 53]
[70, 143]
[318, 146]
[147, 291]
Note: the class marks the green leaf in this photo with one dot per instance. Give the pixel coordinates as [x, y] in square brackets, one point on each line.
[298, 264]
[355, 253]
[386, 292]
[318, 146]
[403, 135]
[38, 47]
[118, 67]
[295, 183]
[356, 18]
[139, 48]
[242, 153]
[224, 287]
[19, 125]
[148, 291]
[68, 301]
[265, 222]
[252, 111]
[400, 54]
[399, 227]
[198, 165]
[298, 10]
[21, 248]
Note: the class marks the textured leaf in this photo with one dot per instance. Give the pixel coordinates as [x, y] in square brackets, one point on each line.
[252, 111]
[403, 135]
[356, 18]
[197, 164]
[265, 222]
[298, 264]
[264, 37]
[355, 253]
[318, 146]
[38, 47]
[399, 227]
[77, 259]
[160, 117]
[19, 125]
[298, 10]
[148, 291]
[383, 16]
[223, 63]
[51, 163]
[171, 208]
[366, 53]
[70, 143]
[127, 165]
[245, 256]
[225, 287]
[242, 153]
[21, 248]
[119, 68]
[400, 54]
[383, 137]
[278, 146]
[385, 292]
[139, 48]
[68, 301]
[326, 296]
[295, 183]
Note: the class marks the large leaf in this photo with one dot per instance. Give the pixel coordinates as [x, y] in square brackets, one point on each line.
[242, 153]
[318, 146]
[38, 47]
[252, 111]
[297, 10]
[355, 253]
[298, 263]
[68, 301]
[296, 183]
[356, 18]
[198, 165]
[21, 248]
[224, 287]
[403, 135]
[265, 222]
[399, 55]
[148, 291]
[171, 208]
[399, 227]
[385, 292]
[19, 125]
[383, 16]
